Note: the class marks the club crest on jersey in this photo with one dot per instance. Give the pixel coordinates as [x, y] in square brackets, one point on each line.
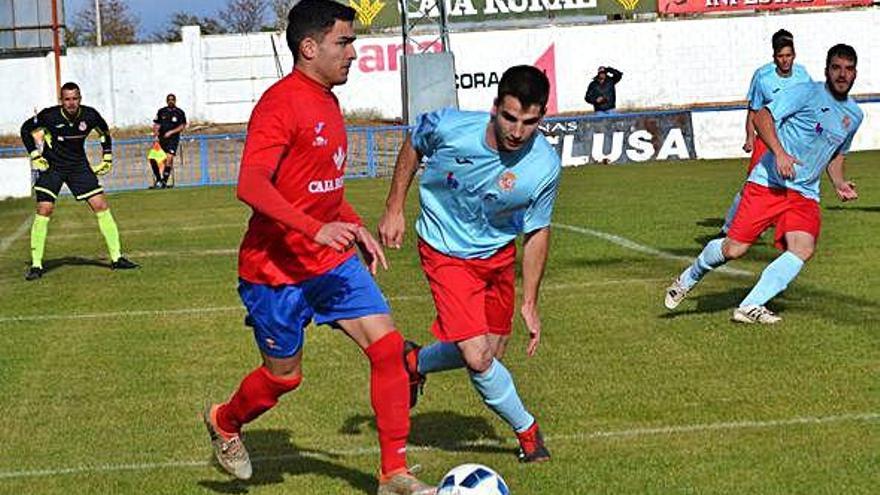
[846, 122]
[319, 139]
[82, 126]
[507, 181]
[451, 181]
[339, 158]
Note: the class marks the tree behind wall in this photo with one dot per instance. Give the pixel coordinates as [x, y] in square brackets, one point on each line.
[281, 8]
[179, 19]
[243, 16]
[118, 25]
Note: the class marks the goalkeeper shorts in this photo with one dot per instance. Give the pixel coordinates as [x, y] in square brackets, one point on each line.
[82, 182]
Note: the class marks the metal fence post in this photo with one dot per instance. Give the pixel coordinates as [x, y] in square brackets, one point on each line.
[204, 163]
[371, 153]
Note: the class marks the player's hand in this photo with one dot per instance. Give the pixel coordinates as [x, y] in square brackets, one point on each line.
[785, 165]
[371, 250]
[846, 191]
[533, 325]
[103, 168]
[749, 145]
[338, 235]
[38, 162]
[391, 229]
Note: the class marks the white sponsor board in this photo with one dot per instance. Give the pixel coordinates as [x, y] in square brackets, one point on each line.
[15, 178]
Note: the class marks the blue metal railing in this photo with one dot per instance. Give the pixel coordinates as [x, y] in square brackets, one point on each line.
[214, 159]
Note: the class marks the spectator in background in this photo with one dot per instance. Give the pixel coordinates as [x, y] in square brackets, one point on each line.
[170, 121]
[600, 92]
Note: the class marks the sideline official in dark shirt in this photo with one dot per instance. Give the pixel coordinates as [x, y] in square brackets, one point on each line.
[170, 121]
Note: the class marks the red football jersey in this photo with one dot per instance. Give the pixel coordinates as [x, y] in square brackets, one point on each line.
[291, 175]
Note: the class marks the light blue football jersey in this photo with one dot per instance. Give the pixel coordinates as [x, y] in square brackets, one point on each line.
[767, 84]
[475, 200]
[813, 127]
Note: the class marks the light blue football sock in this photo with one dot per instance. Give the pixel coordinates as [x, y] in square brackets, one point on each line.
[496, 387]
[731, 212]
[439, 356]
[774, 279]
[708, 260]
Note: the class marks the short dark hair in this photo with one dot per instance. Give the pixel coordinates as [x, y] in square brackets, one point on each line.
[526, 83]
[314, 18]
[782, 39]
[70, 86]
[170, 95]
[843, 51]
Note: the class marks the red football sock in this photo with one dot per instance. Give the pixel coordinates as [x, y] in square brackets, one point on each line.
[389, 394]
[258, 392]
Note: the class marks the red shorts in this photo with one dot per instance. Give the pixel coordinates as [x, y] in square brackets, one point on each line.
[472, 296]
[787, 209]
[758, 151]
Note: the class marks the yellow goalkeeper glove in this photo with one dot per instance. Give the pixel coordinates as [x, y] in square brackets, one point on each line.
[38, 162]
[104, 167]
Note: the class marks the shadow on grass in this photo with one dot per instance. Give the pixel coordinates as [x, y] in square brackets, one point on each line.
[56, 263]
[847, 309]
[443, 430]
[274, 456]
[710, 222]
[867, 209]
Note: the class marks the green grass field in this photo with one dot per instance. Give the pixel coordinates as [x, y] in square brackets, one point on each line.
[103, 374]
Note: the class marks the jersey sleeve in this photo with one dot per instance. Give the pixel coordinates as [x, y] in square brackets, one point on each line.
[182, 117]
[791, 101]
[269, 138]
[27, 132]
[756, 101]
[540, 212]
[425, 136]
[103, 130]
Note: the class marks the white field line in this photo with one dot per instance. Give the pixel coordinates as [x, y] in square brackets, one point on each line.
[221, 309]
[561, 438]
[11, 238]
[632, 245]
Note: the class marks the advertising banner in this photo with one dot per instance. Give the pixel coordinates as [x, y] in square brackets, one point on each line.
[706, 6]
[380, 14]
[622, 138]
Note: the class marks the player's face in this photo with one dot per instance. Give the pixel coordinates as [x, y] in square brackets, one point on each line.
[784, 59]
[513, 124]
[335, 53]
[70, 99]
[840, 75]
[171, 101]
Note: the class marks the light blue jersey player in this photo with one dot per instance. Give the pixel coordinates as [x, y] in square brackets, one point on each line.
[807, 130]
[814, 127]
[487, 179]
[768, 82]
[474, 200]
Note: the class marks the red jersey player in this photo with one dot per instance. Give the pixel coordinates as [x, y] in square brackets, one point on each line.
[297, 261]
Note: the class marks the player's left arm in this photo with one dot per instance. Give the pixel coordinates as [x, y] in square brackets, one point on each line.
[536, 246]
[103, 130]
[613, 74]
[846, 190]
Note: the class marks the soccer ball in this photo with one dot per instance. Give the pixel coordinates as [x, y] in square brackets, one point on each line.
[472, 479]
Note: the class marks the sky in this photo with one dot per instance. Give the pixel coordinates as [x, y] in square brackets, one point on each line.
[153, 14]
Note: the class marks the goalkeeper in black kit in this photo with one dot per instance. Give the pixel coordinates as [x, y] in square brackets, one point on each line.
[62, 160]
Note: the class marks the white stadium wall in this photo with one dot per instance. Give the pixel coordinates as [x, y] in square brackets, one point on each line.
[665, 63]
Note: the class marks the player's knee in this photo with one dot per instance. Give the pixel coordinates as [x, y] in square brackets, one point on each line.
[733, 250]
[803, 252]
[479, 360]
[283, 383]
[45, 209]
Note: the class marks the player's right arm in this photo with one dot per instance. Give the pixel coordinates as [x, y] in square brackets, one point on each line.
[767, 132]
[269, 139]
[422, 141]
[393, 223]
[38, 158]
[752, 106]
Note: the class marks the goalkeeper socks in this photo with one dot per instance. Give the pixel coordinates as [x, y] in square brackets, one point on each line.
[731, 212]
[389, 396]
[156, 173]
[774, 279]
[39, 231]
[439, 356]
[496, 387]
[111, 234]
[708, 260]
[258, 392]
